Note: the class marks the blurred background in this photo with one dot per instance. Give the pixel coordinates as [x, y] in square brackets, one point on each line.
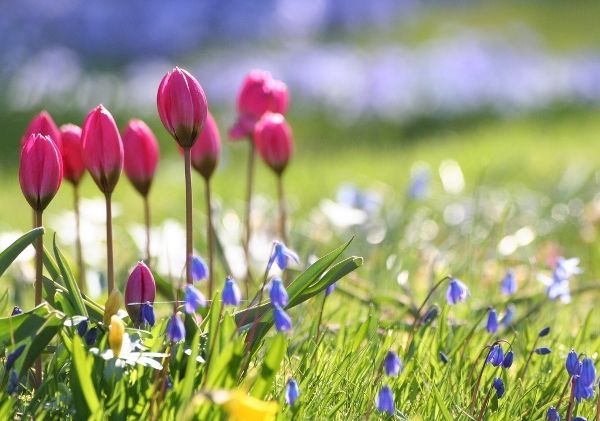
[505, 93]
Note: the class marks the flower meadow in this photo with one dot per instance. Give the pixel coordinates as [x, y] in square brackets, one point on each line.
[426, 304]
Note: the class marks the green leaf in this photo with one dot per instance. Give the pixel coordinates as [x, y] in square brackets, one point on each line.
[269, 367]
[190, 375]
[9, 254]
[84, 393]
[70, 283]
[24, 325]
[223, 367]
[441, 404]
[40, 339]
[4, 301]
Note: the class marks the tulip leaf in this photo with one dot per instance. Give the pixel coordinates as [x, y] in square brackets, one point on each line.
[72, 288]
[24, 325]
[269, 367]
[223, 367]
[9, 254]
[187, 387]
[84, 393]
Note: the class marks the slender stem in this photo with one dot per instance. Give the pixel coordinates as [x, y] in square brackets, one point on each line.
[318, 334]
[562, 395]
[485, 404]
[189, 247]
[418, 313]
[282, 213]
[476, 389]
[148, 225]
[39, 267]
[212, 345]
[246, 242]
[522, 376]
[571, 401]
[598, 410]
[110, 271]
[78, 252]
[211, 239]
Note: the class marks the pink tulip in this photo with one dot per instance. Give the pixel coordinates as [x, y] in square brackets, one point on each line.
[40, 171]
[260, 93]
[140, 288]
[273, 140]
[182, 106]
[72, 155]
[44, 125]
[206, 151]
[141, 155]
[102, 148]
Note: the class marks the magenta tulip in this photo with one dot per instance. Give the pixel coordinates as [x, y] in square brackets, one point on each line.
[44, 125]
[102, 148]
[141, 155]
[182, 106]
[273, 139]
[72, 154]
[206, 151]
[141, 288]
[40, 171]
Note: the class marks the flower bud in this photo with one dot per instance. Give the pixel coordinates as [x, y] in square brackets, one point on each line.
[102, 148]
[40, 171]
[112, 306]
[44, 124]
[206, 151]
[260, 93]
[283, 322]
[140, 155]
[182, 106]
[277, 293]
[175, 328]
[140, 288]
[231, 295]
[72, 153]
[116, 331]
[273, 140]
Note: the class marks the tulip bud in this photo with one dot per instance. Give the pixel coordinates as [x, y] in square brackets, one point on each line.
[112, 306]
[182, 106]
[206, 151]
[116, 331]
[273, 140]
[140, 288]
[72, 154]
[44, 124]
[40, 171]
[260, 93]
[102, 148]
[141, 155]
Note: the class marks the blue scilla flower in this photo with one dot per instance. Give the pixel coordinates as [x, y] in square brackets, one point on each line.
[418, 185]
[12, 357]
[552, 414]
[573, 364]
[329, 289]
[91, 335]
[82, 327]
[16, 311]
[543, 350]
[199, 269]
[588, 372]
[492, 322]
[579, 418]
[443, 357]
[431, 314]
[509, 315]
[508, 359]
[509, 283]
[13, 383]
[175, 329]
[495, 356]
[581, 391]
[292, 392]
[498, 384]
[457, 291]
[283, 322]
[281, 254]
[147, 313]
[193, 299]
[277, 293]
[544, 332]
[392, 364]
[385, 400]
[231, 296]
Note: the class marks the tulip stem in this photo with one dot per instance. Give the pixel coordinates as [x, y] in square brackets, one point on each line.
[78, 252]
[147, 221]
[282, 215]
[189, 239]
[110, 275]
[39, 267]
[210, 238]
[246, 242]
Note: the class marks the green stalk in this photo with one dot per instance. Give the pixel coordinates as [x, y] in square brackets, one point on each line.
[246, 242]
[148, 225]
[78, 252]
[39, 266]
[210, 239]
[189, 238]
[282, 213]
[110, 271]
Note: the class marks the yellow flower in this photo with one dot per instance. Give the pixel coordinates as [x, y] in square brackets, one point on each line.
[114, 302]
[242, 407]
[115, 335]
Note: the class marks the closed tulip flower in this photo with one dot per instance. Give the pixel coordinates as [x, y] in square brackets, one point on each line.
[72, 154]
[102, 148]
[141, 288]
[273, 139]
[44, 124]
[40, 171]
[182, 106]
[206, 151]
[141, 155]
